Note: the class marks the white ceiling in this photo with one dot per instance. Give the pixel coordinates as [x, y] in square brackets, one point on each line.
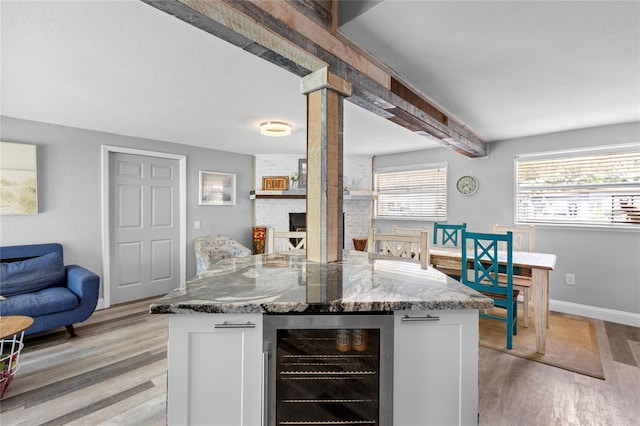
[506, 69]
[509, 69]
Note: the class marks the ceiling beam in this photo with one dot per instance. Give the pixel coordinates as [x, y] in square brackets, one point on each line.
[296, 35]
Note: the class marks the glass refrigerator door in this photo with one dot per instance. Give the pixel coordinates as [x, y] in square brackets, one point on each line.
[327, 376]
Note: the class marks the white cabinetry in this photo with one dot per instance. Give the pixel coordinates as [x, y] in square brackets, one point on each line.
[435, 368]
[215, 369]
[215, 374]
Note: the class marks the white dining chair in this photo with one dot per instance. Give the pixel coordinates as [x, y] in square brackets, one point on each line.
[286, 240]
[523, 236]
[396, 230]
[523, 240]
[398, 245]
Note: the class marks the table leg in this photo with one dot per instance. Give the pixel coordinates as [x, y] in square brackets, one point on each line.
[547, 290]
[525, 307]
[541, 303]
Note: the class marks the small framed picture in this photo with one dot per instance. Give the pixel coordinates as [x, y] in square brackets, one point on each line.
[275, 183]
[302, 173]
[217, 189]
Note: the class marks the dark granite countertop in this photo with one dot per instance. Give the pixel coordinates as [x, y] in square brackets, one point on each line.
[287, 283]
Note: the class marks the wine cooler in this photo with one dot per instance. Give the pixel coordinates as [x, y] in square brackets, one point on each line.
[329, 369]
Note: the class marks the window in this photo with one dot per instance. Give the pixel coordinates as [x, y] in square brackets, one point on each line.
[415, 192]
[599, 186]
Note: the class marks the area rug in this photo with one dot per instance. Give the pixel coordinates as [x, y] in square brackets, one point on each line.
[571, 343]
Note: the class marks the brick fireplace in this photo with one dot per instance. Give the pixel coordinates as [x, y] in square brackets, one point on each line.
[275, 212]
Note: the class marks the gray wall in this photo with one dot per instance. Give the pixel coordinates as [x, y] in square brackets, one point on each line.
[69, 191]
[606, 262]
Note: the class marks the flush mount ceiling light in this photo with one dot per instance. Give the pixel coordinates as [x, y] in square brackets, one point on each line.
[275, 128]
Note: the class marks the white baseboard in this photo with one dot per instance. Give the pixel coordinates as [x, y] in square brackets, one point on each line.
[604, 314]
[100, 304]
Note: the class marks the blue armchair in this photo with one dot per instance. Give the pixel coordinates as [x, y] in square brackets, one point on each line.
[35, 282]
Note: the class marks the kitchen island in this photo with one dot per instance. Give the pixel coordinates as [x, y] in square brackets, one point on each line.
[219, 361]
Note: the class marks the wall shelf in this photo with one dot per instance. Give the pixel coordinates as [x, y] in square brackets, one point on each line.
[301, 194]
[359, 195]
[292, 194]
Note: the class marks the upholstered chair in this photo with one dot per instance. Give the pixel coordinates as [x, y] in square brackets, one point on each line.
[211, 249]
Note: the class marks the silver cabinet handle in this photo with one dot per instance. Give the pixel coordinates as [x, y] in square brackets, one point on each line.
[227, 324]
[428, 317]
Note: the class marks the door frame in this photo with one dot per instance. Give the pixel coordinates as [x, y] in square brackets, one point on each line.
[106, 237]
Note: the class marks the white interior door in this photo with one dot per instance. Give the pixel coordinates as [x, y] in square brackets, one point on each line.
[144, 226]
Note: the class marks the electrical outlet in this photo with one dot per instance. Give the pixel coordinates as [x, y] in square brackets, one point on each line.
[571, 279]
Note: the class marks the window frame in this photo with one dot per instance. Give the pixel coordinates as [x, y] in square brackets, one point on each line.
[569, 155]
[412, 168]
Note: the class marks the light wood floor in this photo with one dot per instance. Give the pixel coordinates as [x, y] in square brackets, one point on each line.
[515, 391]
[114, 373]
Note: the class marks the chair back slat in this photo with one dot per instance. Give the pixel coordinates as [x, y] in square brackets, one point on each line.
[415, 247]
[291, 240]
[487, 275]
[485, 265]
[445, 234]
[523, 236]
[401, 245]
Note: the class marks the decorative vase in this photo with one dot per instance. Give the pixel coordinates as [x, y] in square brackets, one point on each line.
[259, 237]
[360, 244]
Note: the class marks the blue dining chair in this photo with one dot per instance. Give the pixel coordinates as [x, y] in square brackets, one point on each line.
[447, 234]
[484, 274]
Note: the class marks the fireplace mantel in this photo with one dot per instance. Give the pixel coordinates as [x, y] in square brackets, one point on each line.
[290, 194]
[298, 194]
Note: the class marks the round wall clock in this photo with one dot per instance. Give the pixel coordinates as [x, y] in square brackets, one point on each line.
[467, 185]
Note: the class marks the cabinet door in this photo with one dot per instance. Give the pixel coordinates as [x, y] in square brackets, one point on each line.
[435, 368]
[215, 369]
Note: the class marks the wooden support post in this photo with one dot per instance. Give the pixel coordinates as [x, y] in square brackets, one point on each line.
[325, 93]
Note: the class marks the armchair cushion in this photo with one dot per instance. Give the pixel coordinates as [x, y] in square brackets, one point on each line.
[27, 276]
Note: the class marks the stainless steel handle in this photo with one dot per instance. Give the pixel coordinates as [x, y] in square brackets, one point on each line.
[428, 317]
[227, 324]
[265, 388]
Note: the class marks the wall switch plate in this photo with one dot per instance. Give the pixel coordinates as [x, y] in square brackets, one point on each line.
[571, 279]
[196, 225]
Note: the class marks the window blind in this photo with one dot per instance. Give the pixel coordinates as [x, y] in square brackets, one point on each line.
[418, 192]
[598, 186]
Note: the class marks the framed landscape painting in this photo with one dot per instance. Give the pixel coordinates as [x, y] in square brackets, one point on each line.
[217, 189]
[18, 178]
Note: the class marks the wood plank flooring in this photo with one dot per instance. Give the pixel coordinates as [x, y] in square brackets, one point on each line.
[114, 373]
[515, 391]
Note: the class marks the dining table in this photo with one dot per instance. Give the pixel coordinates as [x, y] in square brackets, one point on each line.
[527, 264]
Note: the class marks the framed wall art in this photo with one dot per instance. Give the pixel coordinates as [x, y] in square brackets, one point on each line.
[275, 183]
[18, 178]
[302, 173]
[217, 189]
